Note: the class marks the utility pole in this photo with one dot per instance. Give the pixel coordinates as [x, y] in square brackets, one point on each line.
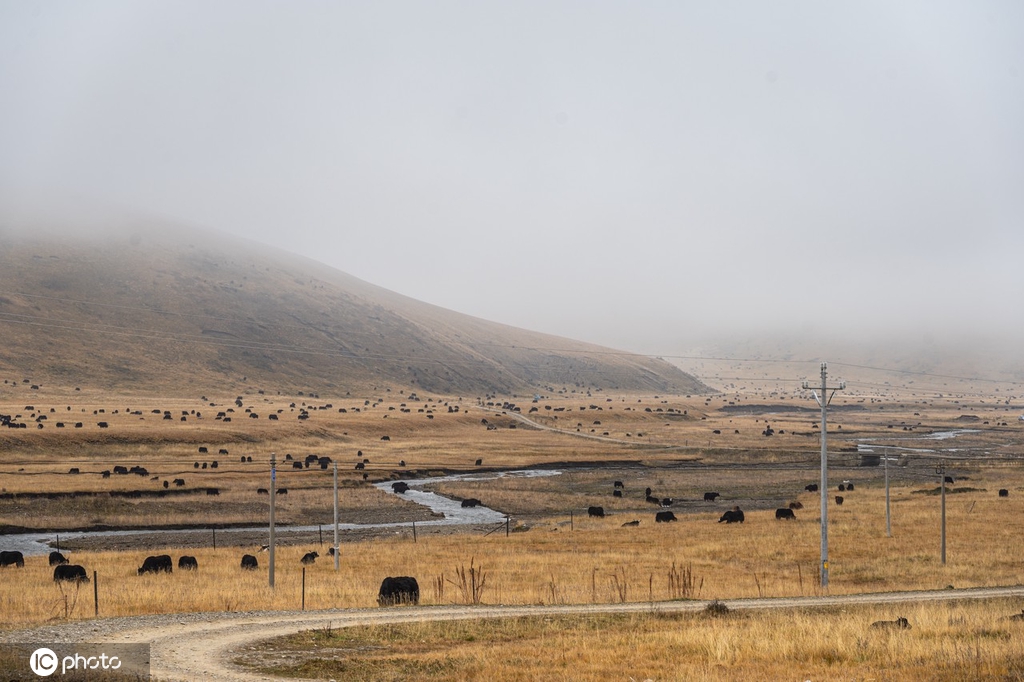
[337, 558]
[941, 471]
[823, 402]
[888, 518]
[273, 479]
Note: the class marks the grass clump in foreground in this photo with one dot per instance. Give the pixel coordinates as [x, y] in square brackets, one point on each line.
[947, 641]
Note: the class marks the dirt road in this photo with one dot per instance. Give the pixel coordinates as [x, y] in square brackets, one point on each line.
[202, 646]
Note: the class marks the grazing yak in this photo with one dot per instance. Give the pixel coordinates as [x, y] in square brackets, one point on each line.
[188, 563]
[616, 493]
[309, 558]
[710, 497]
[400, 590]
[70, 573]
[156, 564]
[596, 511]
[12, 558]
[56, 559]
[898, 624]
[734, 515]
[839, 500]
[400, 487]
[470, 502]
[249, 562]
[784, 513]
[1003, 492]
[664, 517]
[811, 488]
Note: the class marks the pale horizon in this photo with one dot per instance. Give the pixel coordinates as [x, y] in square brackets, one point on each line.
[649, 177]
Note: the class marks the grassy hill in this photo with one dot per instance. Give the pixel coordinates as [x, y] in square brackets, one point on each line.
[169, 309]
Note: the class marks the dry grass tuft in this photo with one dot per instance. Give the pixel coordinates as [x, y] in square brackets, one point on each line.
[951, 641]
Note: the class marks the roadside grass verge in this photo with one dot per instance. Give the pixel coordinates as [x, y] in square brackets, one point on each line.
[947, 641]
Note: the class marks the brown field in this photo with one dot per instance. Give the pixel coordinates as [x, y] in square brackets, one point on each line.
[556, 554]
[953, 641]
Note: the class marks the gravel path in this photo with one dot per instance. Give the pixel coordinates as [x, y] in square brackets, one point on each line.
[202, 646]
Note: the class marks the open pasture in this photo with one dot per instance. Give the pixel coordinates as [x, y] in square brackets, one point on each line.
[557, 554]
[548, 560]
[946, 641]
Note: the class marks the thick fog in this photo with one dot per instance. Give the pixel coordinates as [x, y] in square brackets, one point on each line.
[643, 175]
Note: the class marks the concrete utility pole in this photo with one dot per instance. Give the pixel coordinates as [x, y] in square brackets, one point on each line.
[823, 402]
[941, 471]
[337, 557]
[888, 518]
[273, 479]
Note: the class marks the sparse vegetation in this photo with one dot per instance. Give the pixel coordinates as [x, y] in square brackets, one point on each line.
[951, 641]
[559, 556]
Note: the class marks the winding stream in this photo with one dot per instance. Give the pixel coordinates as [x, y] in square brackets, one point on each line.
[452, 512]
[869, 445]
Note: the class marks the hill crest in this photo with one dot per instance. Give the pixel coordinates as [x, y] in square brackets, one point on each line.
[177, 309]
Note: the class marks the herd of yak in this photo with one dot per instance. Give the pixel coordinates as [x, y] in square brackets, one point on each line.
[734, 515]
[393, 590]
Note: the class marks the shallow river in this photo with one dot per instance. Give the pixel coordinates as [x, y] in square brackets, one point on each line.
[452, 511]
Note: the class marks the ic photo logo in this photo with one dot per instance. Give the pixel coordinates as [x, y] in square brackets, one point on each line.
[43, 662]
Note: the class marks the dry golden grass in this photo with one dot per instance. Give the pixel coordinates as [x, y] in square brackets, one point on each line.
[596, 562]
[550, 559]
[951, 641]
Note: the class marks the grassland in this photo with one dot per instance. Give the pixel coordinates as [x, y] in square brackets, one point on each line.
[557, 555]
[591, 561]
[951, 641]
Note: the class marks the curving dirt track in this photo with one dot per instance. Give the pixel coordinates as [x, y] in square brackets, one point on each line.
[202, 646]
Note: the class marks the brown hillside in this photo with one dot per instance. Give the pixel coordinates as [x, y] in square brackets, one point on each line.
[143, 311]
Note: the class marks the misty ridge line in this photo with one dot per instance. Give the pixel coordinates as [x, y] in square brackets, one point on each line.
[256, 345]
[117, 330]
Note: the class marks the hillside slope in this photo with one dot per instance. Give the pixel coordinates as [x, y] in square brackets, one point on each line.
[172, 309]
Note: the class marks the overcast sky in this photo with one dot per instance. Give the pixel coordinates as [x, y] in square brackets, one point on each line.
[638, 174]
